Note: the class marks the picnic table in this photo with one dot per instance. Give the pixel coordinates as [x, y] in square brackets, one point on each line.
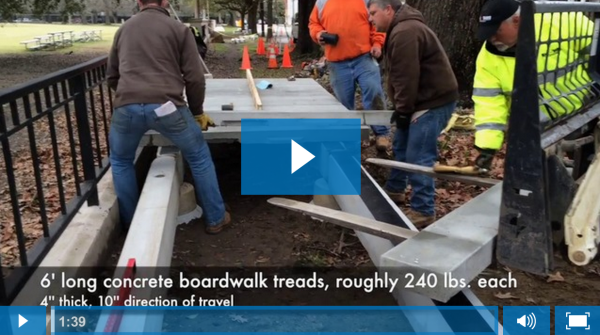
[62, 39]
[90, 35]
[33, 44]
[45, 40]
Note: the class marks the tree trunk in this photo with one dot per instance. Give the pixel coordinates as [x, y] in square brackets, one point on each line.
[231, 19]
[305, 44]
[455, 22]
[270, 19]
[243, 19]
[253, 18]
[262, 18]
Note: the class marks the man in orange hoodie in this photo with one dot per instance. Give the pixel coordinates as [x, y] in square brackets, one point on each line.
[351, 46]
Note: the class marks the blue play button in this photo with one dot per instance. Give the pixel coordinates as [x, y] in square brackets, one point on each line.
[301, 156]
[17, 320]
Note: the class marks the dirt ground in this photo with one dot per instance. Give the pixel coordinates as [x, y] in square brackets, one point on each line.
[265, 236]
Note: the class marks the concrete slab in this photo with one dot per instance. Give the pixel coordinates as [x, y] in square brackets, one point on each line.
[216, 135]
[150, 241]
[459, 245]
[302, 98]
[233, 118]
[303, 93]
[377, 247]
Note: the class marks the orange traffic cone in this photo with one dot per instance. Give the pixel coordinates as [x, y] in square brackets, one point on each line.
[260, 50]
[246, 60]
[287, 60]
[274, 46]
[272, 59]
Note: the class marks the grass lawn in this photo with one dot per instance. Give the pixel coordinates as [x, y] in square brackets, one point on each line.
[230, 30]
[12, 34]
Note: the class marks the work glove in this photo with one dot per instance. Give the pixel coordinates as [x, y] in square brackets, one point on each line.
[402, 121]
[485, 158]
[204, 121]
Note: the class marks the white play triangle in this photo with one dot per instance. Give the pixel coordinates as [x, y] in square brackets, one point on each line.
[300, 156]
[22, 321]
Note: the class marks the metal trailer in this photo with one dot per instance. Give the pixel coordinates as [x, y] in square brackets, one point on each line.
[538, 190]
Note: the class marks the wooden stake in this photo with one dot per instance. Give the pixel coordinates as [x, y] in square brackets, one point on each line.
[347, 220]
[257, 102]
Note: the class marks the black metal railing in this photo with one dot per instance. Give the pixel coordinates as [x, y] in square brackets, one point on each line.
[554, 100]
[54, 139]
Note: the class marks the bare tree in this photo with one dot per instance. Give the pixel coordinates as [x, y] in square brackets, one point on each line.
[8, 8]
[455, 22]
[270, 19]
[239, 6]
[262, 17]
[305, 43]
[253, 16]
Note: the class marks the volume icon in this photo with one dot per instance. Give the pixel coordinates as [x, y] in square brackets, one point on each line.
[527, 321]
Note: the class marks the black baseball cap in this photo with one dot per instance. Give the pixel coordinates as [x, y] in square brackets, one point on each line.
[493, 13]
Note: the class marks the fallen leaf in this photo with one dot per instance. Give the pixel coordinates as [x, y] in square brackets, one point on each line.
[442, 192]
[508, 295]
[555, 277]
[262, 259]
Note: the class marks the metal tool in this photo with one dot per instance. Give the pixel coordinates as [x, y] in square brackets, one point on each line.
[485, 182]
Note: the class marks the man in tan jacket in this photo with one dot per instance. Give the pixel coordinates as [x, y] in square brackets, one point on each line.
[424, 90]
[152, 60]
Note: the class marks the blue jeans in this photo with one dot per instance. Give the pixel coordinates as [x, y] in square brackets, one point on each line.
[419, 145]
[129, 123]
[362, 70]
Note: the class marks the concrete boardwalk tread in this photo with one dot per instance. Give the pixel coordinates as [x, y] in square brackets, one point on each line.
[460, 244]
[302, 94]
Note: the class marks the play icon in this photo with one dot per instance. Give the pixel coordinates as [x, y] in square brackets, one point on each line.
[300, 156]
[22, 321]
[26, 320]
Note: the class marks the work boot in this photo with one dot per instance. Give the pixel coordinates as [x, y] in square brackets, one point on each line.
[397, 198]
[382, 143]
[420, 220]
[217, 228]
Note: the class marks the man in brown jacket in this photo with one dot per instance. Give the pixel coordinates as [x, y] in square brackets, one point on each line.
[152, 60]
[424, 91]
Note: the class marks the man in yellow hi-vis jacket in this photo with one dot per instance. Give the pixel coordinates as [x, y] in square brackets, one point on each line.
[564, 38]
